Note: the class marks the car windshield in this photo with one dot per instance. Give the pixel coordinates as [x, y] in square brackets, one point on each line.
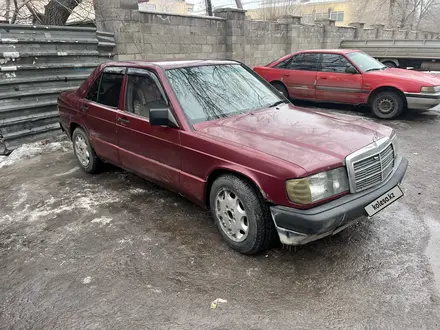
[217, 91]
[365, 62]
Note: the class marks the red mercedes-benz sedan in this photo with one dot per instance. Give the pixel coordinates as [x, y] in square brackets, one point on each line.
[352, 77]
[219, 134]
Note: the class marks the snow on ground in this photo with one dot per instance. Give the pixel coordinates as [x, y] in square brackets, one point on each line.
[31, 150]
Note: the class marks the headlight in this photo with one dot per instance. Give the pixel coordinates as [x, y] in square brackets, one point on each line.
[318, 187]
[430, 89]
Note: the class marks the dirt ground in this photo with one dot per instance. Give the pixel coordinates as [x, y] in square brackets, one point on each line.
[113, 251]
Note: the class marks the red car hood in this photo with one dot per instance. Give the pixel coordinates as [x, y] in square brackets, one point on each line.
[421, 77]
[313, 140]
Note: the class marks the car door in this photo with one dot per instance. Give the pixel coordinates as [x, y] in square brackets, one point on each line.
[338, 80]
[151, 151]
[299, 75]
[99, 112]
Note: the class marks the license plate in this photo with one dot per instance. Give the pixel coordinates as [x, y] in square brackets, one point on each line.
[383, 201]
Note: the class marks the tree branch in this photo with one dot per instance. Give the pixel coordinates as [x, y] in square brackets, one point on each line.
[35, 14]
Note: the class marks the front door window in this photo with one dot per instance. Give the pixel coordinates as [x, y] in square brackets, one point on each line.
[143, 93]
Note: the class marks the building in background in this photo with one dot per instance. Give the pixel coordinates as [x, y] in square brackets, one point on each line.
[167, 6]
[342, 11]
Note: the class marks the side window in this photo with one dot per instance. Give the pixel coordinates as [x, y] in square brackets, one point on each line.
[92, 94]
[144, 92]
[334, 63]
[304, 62]
[110, 89]
[283, 64]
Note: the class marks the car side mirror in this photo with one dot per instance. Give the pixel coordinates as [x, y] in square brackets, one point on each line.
[162, 117]
[351, 69]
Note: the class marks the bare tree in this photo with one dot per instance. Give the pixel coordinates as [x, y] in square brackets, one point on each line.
[49, 12]
[426, 7]
[273, 9]
[395, 13]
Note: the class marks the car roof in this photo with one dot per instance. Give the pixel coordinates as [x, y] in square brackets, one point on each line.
[171, 64]
[331, 51]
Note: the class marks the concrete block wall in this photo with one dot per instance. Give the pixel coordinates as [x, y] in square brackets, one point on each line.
[151, 36]
[156, 36]
[265, 41]
[388, 34]
[311, 37]
[369, 33]
[401, 34]
[412, 35]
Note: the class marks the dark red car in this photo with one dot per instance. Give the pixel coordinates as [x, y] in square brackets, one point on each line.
[352, 77]
[217, 133]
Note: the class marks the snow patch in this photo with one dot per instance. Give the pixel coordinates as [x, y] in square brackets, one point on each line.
[433, 249]
[30, 150]
[88, 202]
[102, 221]
[87, 280]
[73, 170]
[137, 191]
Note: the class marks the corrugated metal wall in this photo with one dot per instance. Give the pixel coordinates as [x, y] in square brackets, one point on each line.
[36, 64]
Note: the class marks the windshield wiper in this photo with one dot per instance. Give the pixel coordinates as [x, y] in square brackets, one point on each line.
[277, 103]
[373, 69]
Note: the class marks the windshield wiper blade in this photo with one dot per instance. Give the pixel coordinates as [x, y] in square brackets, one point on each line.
[373, 69]
[277, 103]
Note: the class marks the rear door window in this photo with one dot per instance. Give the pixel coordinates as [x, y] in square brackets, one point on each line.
[304, 62]
[106, 89]
[283, 64]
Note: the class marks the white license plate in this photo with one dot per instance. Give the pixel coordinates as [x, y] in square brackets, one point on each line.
[383, 201]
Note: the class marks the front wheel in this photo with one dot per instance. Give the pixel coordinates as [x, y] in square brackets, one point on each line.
[387, 105]
[241, 215]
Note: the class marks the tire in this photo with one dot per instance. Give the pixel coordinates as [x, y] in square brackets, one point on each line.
[83, 151]
[387, 105]
[281, 88]
[248, 209]
[390, 64]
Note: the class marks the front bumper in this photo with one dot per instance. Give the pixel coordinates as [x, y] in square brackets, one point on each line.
[298, 227]
[422, 101]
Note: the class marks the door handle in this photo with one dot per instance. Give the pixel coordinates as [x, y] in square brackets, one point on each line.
[83, 108]
[324, 78]
[123, 120]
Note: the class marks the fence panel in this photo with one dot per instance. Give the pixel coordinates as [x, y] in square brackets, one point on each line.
[37, 63]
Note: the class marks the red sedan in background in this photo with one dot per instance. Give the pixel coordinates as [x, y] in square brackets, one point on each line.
[352, 77]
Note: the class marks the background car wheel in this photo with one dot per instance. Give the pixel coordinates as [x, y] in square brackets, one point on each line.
[390, 64]
[281, 88]
[84, 152]
[387, 105]
[241, 215]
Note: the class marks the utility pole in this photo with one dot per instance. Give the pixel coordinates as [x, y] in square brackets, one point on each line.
[208, 6]
[239, 4]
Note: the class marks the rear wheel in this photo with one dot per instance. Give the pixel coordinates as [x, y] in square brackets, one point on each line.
[390, 64]
[241, 215]
[281, 88]
[387, 105]
[86, 156]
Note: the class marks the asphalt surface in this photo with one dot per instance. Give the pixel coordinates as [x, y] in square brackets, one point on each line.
[113, 251]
